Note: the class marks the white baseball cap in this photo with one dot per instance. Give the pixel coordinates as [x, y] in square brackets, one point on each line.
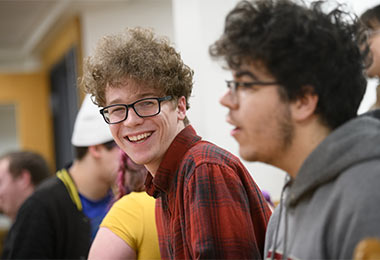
[90, 127]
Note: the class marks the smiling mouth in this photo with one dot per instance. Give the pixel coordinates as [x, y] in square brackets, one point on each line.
[139, 138]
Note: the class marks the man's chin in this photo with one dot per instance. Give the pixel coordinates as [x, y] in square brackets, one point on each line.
[247, 156]
[137, 160]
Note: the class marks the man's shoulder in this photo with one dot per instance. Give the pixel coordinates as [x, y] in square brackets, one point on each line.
[360, 180]
[49, 191]
[206, 154]
[356, 193]
[52, 185]
[205, 151]
[51, 198]
[41, 200]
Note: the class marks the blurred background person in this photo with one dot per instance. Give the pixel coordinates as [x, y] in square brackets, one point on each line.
[129, 229]
[60, 219]
[371, 20]
[20, 173]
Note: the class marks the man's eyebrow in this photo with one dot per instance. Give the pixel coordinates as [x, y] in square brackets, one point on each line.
[242, 73]
[118, 100]
[114, 101]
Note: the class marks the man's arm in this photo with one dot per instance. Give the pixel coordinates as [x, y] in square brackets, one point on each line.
[108, 245]
[220, 222]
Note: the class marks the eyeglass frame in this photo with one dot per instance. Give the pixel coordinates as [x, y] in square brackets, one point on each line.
[132, 105]
[233, 85]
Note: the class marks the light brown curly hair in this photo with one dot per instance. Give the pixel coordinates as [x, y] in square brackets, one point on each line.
[140, 55]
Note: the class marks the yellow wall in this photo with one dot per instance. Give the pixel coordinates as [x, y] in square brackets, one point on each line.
[31, 92]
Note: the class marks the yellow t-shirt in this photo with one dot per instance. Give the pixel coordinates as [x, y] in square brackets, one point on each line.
[132, 219]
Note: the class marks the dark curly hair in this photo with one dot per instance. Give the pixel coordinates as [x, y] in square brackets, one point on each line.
[304, 48]
[371, 17]
[142, 56]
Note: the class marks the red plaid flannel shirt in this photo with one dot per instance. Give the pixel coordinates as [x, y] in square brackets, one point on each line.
[208, 205]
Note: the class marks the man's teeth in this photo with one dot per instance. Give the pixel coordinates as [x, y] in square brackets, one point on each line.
[139, 137]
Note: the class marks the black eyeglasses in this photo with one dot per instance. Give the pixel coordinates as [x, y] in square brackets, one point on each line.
[234, 86]
[145, 107]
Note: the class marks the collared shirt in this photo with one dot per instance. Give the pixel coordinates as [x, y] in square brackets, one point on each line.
[208, 205]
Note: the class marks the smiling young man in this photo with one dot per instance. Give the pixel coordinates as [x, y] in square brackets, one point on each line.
[297, 84]
[208, 205]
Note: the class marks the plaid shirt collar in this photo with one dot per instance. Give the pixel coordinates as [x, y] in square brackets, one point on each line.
[166, 173]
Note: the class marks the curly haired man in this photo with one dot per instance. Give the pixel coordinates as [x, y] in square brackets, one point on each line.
[208, 205]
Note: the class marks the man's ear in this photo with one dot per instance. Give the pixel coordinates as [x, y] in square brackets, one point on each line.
[25, 179]
[94, 150]
[304, 107]
[181, 108]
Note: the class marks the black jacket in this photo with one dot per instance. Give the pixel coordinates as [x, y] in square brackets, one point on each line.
[49, 225]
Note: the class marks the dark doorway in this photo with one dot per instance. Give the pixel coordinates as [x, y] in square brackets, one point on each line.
[64, 101]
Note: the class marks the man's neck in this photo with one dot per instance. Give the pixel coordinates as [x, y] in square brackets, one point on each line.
[86, 179]
[153, 166]
[306, 139]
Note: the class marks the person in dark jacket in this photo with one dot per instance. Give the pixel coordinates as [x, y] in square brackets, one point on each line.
[60, 219]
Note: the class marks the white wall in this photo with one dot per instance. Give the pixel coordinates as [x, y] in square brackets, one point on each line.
[197, 24]
[115, 17]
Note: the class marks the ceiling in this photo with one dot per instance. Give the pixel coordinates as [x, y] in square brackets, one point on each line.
[24, 24]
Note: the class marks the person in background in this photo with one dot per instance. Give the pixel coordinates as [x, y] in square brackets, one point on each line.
[371, 20]
[129, 229]
[268, 199]
[20, 173]
[60, 219]
[208, 205]
[298, 81]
